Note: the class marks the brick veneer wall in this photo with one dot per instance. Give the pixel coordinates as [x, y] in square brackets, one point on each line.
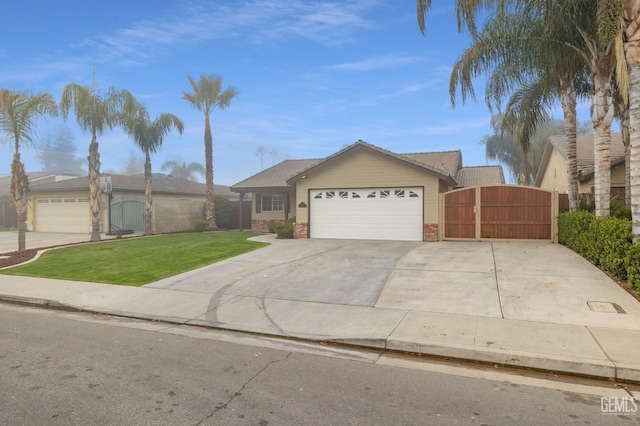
[430, 232]
[262, 225]
[300, 230]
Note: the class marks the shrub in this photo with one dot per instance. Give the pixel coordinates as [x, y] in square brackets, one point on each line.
[619, 209]
[587, 203]
[632, 263]
[573, 230]
[604, 242]
[271, 225]
[613, 239]
[284, 230]
[224, 212]
[201, 225]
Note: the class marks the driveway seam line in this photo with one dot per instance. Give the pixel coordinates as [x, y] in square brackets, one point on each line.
[495, 274]
[615, 366]
[386, 340]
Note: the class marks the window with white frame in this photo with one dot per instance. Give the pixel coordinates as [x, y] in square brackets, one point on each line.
[272, 203]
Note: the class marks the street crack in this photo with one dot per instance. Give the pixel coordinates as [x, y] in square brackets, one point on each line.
[239, 391]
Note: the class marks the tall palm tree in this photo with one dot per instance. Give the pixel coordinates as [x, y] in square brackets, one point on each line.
[631, 37]
[182, 170]
[148, 135]
[514, 49]
[95, 113]
[18, 112]
[592, 29]
[206, 96]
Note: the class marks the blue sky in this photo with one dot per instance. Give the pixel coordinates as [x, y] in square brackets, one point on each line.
[313, 76]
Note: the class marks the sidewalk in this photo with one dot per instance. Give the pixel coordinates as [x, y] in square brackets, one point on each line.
[607, 348]
[604, 352]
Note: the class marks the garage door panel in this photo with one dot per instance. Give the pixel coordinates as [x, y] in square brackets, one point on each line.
[62, 215]
[371, 213]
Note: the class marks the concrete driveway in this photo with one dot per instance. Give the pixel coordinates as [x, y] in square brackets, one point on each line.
[514, 280]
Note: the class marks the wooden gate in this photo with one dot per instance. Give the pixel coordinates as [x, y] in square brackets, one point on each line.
[500, 212]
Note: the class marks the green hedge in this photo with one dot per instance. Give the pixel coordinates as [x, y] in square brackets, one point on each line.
[608, 243]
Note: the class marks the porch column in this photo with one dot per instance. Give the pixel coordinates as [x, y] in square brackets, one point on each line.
[240, 211]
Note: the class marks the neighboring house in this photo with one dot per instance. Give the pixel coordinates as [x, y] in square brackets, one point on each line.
[361, 192]
[64, 206]
[8, 215]
[552, 173]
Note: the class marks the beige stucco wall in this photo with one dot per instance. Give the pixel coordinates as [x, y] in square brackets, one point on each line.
[366, 169]
[617, 180]
[173, 213]
[555, 175]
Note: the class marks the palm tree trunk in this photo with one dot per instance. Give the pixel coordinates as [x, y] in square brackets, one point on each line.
[602, 115]
[626, 140]
[19, 193]
[208, 153]
[94, 189]
[632, 56]
[568, 100]
[634, 168]
[148, 227]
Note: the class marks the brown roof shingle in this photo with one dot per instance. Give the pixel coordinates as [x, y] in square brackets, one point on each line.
[445, 164]
[479, 175]
[160, 184]
[274, 177]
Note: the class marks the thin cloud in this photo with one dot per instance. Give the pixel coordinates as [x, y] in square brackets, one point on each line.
[377, 63]
[455, 127]
[323, 22]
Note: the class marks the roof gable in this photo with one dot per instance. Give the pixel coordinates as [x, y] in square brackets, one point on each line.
[409, 160]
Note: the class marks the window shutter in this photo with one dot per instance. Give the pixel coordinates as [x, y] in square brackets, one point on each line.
[258, 203]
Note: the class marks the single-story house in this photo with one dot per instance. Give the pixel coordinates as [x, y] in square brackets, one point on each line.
[63, 206]
[362, 192]
[552, 172]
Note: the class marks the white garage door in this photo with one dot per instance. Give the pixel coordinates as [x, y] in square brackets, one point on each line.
[372, 214]
[62, 215]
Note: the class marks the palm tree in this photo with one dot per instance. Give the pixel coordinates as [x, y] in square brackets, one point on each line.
[592, 30]
[18, 111]
[206, 96]
[182, 170]
[148, 135]
[95, 114]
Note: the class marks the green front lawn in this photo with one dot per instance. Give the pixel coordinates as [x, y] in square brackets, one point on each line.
[138, 261]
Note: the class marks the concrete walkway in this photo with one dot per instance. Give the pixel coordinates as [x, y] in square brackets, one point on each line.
[535, 305]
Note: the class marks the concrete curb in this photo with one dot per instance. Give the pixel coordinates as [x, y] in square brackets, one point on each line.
[598, 368]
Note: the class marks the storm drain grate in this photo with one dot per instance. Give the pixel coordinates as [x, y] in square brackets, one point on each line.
[612, 308]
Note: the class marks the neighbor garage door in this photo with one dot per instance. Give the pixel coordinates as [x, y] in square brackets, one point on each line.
[373, 214]
[62, 215]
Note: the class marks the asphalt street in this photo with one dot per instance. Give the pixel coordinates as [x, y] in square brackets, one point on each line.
[69, 368]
